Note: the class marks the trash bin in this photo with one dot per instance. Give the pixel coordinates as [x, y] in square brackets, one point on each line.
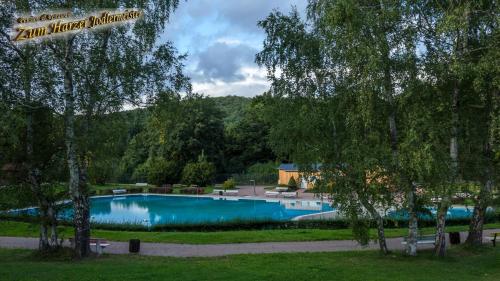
[134, 245]
[454, 238]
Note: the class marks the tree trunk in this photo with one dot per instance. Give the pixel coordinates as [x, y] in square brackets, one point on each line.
[411, 242]
[43, 243]
[34, 180]
[380, 226]
[440, 246]
[475, 237]
[54, 237]
[381, 236]
[77, 183]
[34, 175]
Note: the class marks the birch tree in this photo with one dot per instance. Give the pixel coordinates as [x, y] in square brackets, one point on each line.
[24, 76]
[101, 74]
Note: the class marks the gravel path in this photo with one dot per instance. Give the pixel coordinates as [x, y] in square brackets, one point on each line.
[213, 250]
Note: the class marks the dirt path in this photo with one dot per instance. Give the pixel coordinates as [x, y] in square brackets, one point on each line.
[213, 250]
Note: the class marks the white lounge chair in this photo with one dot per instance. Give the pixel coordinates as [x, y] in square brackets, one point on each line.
[141, 184]
[281, 188]
[119, 191]
[289, 194]
[272, 193]
[218, 191]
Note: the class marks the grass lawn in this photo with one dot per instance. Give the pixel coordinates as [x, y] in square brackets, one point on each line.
[10, 228]
[460, 264]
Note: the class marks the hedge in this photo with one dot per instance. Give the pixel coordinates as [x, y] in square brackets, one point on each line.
[255, 224]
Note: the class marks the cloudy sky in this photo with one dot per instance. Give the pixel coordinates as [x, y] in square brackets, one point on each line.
[221, 38]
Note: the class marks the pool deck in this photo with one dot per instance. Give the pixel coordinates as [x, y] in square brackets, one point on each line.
[260, 192]
[215, 250]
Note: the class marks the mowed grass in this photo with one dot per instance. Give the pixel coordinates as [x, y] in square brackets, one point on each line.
[367, 265]
[22, 229]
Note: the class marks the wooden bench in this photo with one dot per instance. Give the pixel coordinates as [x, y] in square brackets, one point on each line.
[423, 239]
[99, 244]
[496, 235]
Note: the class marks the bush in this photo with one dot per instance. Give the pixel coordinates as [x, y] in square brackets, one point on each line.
[263, 168]
[161, 171]
[101, 171]
[140, 173]
[192, 190]
[252, 225]
[135, 190]
[292, 184]
[200, 173]
[162, 190]
[16, 196]
[229, 184]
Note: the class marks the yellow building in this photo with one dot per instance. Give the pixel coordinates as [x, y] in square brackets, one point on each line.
[287, 171]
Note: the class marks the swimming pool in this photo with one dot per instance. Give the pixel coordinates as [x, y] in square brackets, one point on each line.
[150, 210]
[160, 209]
[454, 212]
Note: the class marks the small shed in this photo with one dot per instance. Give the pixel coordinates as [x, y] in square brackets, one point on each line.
[289, 170]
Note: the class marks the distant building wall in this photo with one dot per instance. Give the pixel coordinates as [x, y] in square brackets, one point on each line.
[284, 176]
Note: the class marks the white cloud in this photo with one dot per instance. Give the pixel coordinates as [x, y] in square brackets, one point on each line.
[254, 83]
[228, 41]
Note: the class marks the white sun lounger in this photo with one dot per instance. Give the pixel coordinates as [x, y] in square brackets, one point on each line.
[218, 191]
[225, 192]
[281, 188]
[272, 193]
[119, 191]
[289, 194]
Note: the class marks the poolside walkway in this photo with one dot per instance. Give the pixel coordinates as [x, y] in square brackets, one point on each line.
[260, 191]
[214, 250]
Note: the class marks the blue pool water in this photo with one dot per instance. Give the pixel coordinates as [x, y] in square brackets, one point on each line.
[455, 212]
[157, 209]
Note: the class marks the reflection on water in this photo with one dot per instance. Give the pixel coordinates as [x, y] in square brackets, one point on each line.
[151, 210]
[303, 205]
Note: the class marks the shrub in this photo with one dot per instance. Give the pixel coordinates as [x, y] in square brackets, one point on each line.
[292, 184]
[165, 190]
[101, 171]
[140, 173]
[192, 190]
[251, 225]
[200, 173]
[229, 184]
[135, 190]
[263, 168]
[161, 171]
